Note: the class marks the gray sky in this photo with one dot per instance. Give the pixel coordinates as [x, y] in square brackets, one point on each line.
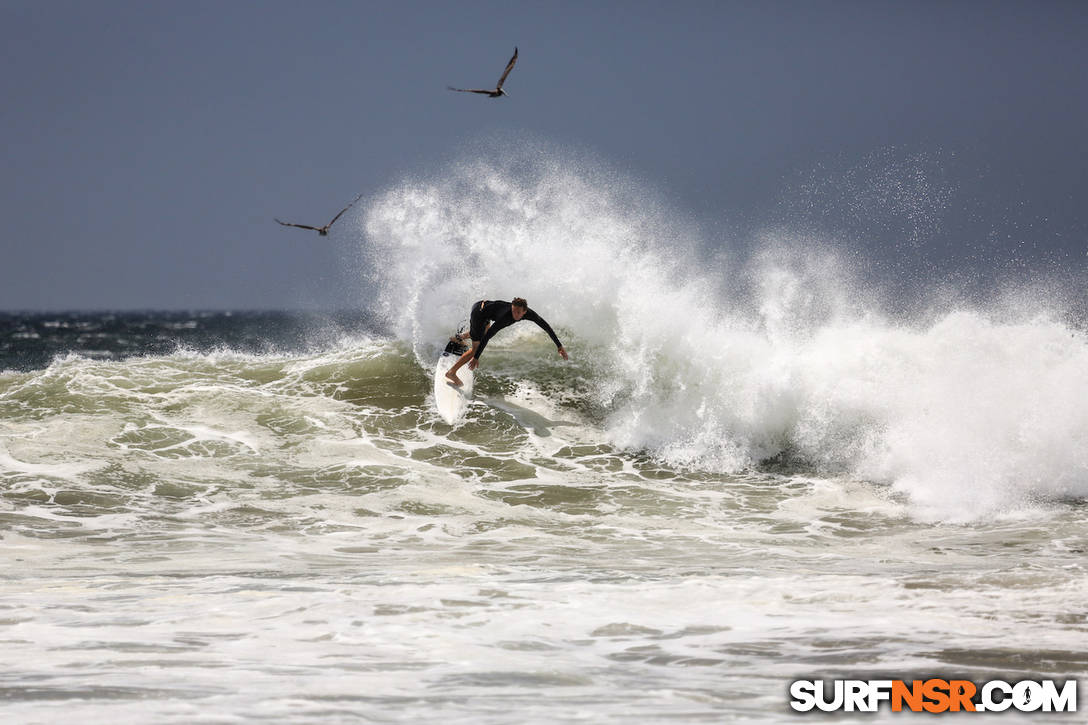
[147, 145]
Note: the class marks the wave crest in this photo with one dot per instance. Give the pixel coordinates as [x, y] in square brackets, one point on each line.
[712, 363]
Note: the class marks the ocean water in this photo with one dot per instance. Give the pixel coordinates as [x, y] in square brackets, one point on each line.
[749, 472]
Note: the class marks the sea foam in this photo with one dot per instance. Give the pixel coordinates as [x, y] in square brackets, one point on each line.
[712, 361]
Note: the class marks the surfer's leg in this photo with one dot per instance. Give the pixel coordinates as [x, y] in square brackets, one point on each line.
[477, 328]
[452, 372]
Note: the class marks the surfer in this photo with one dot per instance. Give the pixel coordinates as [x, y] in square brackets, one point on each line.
[486, 319]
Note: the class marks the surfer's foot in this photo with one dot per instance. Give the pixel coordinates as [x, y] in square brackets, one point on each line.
[454, 380]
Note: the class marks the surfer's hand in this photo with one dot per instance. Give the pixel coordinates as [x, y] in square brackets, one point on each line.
[563, 353]
[473, 363]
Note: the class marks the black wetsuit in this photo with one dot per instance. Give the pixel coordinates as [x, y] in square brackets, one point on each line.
[500, 314]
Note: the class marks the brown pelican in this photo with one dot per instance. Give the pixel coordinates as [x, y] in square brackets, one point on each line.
[323, 231]
[497, 90]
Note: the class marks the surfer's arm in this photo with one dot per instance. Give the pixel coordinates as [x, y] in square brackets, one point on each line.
[491, 330]
[543, 324]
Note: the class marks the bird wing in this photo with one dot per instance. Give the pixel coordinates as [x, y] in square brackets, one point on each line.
[344, 210]
[468, 90]
[509, 67]
[300, 226]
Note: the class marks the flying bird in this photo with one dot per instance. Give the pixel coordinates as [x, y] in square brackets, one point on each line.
[323, 231]
[497, 90]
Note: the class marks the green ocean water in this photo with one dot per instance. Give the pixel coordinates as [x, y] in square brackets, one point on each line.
[258, 517]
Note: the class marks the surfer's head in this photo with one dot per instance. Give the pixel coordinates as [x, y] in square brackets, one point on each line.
[519, 307]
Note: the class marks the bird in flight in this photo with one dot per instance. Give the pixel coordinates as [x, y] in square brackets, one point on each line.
[323, 231]
[497, 90]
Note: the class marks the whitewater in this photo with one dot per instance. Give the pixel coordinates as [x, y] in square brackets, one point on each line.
[757, 467]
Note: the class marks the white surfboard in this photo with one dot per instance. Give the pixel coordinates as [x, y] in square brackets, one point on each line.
[450, 399]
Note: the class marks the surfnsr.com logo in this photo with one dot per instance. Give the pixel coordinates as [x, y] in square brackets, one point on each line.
[933, 695]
